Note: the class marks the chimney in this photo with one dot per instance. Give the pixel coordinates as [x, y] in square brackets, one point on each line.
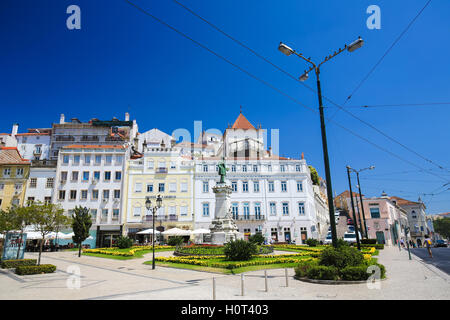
[303, 156]
[127, 116]
[61, 119]
[15, 128]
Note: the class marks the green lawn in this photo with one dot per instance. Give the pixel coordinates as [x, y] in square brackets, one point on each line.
[137, 254]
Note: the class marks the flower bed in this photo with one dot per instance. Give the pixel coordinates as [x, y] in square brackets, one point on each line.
[210, 250]
[126, 253]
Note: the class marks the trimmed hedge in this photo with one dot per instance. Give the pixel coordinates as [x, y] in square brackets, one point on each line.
[240, 250]
[43, 268]
[7, 264]
[354, 273]
[341, 257]
[322, 273]
[376, 246]
[312, 242]
[368, 241]
[303, 267]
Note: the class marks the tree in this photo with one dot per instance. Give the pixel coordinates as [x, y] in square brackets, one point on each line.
[442, 226]
[24, 217]
[257, 238]
[314, 175]
[8, 222]
[81, 223]
[47, 217]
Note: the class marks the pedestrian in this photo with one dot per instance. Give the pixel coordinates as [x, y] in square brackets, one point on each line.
[402, 243]
[428, 244]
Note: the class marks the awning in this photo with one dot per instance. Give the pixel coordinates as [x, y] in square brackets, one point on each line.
[177, 232]
[147, 231]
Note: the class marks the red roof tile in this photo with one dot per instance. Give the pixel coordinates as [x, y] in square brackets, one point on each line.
[10, 155]
[84, 146]
[242, 123]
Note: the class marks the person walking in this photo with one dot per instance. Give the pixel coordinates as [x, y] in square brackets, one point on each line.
[428, 245]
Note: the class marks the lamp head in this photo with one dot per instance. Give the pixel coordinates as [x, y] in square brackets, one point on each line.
[148, 203]
[304, 77]
[285, 49]
[159, 201]
[355, 45]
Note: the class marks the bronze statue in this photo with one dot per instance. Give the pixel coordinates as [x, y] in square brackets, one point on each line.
[222, 170]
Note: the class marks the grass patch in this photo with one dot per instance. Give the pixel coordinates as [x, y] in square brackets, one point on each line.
[136, 254]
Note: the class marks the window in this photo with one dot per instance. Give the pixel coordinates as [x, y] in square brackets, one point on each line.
[85, 175]
[49, 183]
[107, 175]
[19, 172]
[234, 186]
[172, 210]
[76, 159]
[150, 164]
[271, 186]
[18, 187]
[283, 186]
[205, 168]
[138, 187]
[137, 211]
[84, 194]
[258, 211]
[96, 175]
[282, 168]
[62, 194]
[246, 208]
[104, 214]
[301, 208]
[255, 186]
[269, 168]
[47, 200]
[117, 194]
[244, 186]
[98, 159]
[150, 187]
[94, 194]
[7, 171]
[94, 214]
[184, 187]
[33, 182]
[297, 168]
[63, 176]
[285, 209]
[2, 186]
[161, 187]
[30, 201]
[233, 168]
[299, 186]
[172, 165]
[119, 159]
[73, 194]
[74, 175]
[244, 168]
[118, 176]
[105, 194]
[87, 159]
[183, 210]
[235, 211]
[108, 159]
[172, 187]
[206, 209]
[375, 213]
[273, 208]
[205, 186]
[65, 159]
[115, 214]
[255, 168]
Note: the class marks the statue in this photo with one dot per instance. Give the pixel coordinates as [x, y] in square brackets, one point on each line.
[222, 170]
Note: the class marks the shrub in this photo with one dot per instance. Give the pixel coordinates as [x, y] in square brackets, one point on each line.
[355, 273]
[312, 242]
[43, 268]
[373, 262]
[322, 273]
[124, 242]
[376, 246]
[6, 264]
[239, 250]
[257, 239]
[341, 243]
[175, 241]
[368, 241]
[341, 257]
[303, 267]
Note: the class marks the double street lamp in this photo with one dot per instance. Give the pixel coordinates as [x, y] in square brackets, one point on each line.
[289, 51]
[148, 205]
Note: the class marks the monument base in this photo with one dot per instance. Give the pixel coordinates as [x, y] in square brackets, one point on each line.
[223, 231]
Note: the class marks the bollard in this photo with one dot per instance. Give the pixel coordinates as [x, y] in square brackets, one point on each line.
[286, 274]
[214, 288]
[265, 280]
[242, 284]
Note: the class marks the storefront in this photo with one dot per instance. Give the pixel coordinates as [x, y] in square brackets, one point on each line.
[107, 236]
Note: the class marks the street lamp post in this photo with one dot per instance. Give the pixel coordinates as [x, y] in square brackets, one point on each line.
[288, 51]
[353, 209]
[148, 205]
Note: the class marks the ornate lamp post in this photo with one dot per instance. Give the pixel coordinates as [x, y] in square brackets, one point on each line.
[148, 206]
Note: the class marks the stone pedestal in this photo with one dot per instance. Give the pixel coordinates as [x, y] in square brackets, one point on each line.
[223, 228]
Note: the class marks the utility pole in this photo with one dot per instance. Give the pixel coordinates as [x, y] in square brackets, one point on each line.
[362, 206]
[353, 209]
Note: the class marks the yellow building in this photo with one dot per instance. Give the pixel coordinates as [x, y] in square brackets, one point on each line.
[14, 172]
[160, 171]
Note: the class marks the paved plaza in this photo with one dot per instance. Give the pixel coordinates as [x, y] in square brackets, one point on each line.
[106, 279]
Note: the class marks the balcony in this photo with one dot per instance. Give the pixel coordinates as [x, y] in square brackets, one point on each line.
[161, 170]
[37, 152]
[249, 218]
[159, 218]
[43, 163]
[65, 138]
[89, 138]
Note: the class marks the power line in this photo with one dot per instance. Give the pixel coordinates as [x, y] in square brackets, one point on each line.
[401, 105]
[268, 84]
[292, 77]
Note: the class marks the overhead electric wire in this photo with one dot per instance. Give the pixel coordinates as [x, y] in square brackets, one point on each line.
[401, 105]
[291, 76]
[267, 83]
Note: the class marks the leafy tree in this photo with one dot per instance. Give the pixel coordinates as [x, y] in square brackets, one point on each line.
[240, 250]
[124, 242]
[82, 222]
[175, 241]
[314, 175]
[8, 222]
[442, 226]
[47, 217]
[312, 242]
[257, 238]
[24, 217]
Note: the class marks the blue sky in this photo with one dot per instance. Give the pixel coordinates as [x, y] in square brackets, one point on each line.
[122, 60]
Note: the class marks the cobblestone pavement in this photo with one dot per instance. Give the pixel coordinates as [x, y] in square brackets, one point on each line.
[130, 279]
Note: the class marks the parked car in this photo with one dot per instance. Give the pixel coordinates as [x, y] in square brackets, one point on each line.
[349, 221]
[328, 239]
[351, 228]
[440, 243]
[350, 237]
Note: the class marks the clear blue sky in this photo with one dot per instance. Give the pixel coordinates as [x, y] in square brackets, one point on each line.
[122, 60]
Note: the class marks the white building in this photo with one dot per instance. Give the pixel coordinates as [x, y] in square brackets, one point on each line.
[41, 181]
[34, 144]
[92, 176]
